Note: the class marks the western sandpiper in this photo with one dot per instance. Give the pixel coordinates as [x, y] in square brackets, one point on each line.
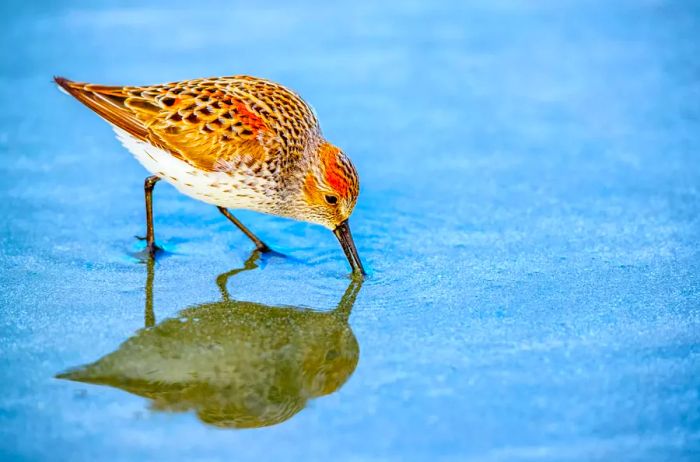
[235, 142]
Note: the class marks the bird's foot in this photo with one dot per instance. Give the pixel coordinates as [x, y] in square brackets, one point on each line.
[151, 248]
[267, 252]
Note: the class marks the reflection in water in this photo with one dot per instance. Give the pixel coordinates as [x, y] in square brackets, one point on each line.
[237, 364]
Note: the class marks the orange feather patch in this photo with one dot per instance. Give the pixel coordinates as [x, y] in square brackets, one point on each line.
[255, 122]
[335, 177]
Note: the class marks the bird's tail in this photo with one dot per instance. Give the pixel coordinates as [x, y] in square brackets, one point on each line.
[108, 102]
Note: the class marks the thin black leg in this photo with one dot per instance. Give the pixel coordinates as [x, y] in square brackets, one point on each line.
[148, 186]
[260, 245]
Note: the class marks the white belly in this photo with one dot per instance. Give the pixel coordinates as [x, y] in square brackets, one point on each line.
[225, 189]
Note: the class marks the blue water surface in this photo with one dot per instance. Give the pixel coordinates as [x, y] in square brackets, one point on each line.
[530, 211]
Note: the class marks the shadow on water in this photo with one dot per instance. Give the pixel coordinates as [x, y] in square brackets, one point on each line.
[236, 364]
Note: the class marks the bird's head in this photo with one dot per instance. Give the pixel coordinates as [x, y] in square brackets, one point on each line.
[328, 195]
[330, 188]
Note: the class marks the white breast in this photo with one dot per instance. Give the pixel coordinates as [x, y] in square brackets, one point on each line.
[225, 189]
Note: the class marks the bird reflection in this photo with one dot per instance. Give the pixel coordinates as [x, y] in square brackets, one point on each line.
[236, 364]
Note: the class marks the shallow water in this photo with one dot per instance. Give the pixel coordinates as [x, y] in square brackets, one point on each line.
[529, 212]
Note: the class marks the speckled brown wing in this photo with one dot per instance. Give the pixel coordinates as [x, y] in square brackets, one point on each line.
[216, 124]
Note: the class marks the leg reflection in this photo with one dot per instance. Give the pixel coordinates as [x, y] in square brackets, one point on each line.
[150, 316]
[221, 281]
[250, 264]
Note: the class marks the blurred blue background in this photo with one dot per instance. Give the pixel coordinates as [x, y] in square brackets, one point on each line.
[529, 211]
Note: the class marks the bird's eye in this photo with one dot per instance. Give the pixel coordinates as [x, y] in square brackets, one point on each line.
[331, 199]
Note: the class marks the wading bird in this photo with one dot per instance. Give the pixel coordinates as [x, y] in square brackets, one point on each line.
[235, 142]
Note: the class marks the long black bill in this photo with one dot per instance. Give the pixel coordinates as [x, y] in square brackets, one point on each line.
[342, 232]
